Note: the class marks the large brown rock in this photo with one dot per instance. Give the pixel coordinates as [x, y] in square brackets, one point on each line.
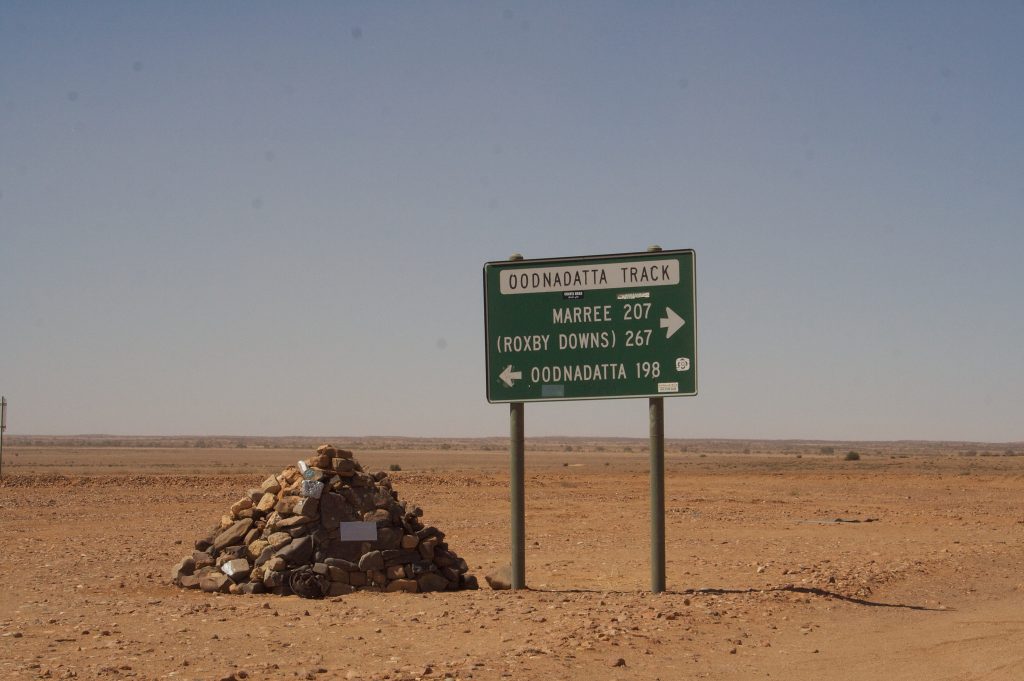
[308, 506]
[373, 560]
[335, 509]
[389, 538]
[273, 579]
[286, 506]
[407, 585]
[203, 559]
[279, 539]
[266, 502]
[426, 548]
[189, 582]
[183, 569]
[292, 521]
[214, 582]
[432, 581]
[500, 579]
[232, 535]
[253, 550]
[344, 467]
[321, 460]
[379, 516]
[241, 505]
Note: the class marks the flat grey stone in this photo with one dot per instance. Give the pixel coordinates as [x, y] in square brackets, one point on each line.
[298, 552]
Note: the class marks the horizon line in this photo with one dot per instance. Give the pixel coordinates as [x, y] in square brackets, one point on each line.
[195, 436]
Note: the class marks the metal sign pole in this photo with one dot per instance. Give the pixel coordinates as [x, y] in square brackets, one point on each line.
[517, 485]
[657, 407]
[657, 433]
[3, 427]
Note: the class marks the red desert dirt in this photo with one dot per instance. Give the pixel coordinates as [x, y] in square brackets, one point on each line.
[785, 560]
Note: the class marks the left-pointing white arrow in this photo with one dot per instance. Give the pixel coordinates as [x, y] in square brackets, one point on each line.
[671, 321]
[509, 376]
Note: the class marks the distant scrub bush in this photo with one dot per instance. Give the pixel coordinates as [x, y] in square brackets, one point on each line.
[394, 467]
[851, 456]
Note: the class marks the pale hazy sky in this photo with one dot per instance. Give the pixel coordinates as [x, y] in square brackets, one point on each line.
[268, 218]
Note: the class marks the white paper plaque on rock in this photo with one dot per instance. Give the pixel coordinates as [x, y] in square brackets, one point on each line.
[358, 531]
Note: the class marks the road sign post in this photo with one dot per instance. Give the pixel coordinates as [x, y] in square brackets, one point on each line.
[657, 409]
[594, 327]
[517, 485]
[517, 492]
[3, 429]
[656, 406]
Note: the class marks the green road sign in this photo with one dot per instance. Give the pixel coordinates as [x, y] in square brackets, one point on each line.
[592, 327]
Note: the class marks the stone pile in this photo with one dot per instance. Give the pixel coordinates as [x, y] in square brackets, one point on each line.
[324, 527]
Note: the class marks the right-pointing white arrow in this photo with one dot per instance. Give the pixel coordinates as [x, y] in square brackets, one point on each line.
[509, 376]
[671, 321]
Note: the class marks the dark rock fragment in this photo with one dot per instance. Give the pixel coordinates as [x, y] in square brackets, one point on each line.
[373, 560]
[298, 552]
[432, 581]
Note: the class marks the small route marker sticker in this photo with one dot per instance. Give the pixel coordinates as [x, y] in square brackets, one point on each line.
[592, 327]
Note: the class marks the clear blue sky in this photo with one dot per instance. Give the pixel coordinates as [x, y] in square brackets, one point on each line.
[270, 218]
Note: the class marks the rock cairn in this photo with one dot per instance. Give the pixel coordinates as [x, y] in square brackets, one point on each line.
[324, 527]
